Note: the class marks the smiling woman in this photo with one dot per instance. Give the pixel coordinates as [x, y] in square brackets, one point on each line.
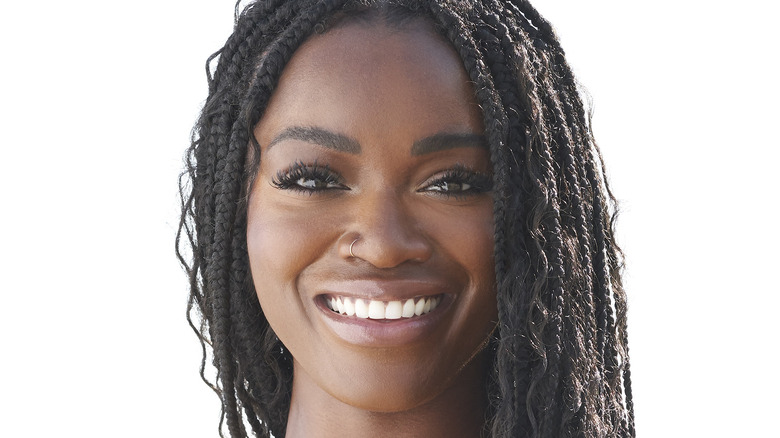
[373, 194]
[400, 228]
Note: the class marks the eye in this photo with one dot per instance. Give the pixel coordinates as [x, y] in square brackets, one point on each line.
[447, 187]
[459, 181]
[308, 178]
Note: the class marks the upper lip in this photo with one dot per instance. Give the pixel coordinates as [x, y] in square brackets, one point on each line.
[383, 290]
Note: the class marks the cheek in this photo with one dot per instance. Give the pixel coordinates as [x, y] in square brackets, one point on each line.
[479, 253]
[280, 246]
[481, 269]
[274, 244]
[472, 245]
[469, 241]
[282, 237]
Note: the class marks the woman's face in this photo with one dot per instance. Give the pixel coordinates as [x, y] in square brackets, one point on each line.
[372, 142]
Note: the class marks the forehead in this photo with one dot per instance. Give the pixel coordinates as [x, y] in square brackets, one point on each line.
[371, 51]
[379, 69]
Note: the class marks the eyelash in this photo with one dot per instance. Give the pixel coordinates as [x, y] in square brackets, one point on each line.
[478, 182]
[294, 177]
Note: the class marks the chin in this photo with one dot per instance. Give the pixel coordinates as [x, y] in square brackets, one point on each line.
[393, 383]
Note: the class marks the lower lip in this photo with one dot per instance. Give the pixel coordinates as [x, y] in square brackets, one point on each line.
[384, 332]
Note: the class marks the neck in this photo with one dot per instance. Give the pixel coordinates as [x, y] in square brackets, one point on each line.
[457, 412]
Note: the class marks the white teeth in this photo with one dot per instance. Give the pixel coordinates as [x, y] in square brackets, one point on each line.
[349, 307]
[408, 310]
[393, 310]
[361, 308]
[376, 309]
[418, 308]
[382, 310]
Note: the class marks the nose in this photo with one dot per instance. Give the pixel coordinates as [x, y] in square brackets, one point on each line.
[386, 233]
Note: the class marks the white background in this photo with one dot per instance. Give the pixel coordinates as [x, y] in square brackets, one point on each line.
[97, 100]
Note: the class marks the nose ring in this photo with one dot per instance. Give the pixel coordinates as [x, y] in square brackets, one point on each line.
[350, 247]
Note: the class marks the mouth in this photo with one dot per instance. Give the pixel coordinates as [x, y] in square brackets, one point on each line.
[372, 314]
[382, 310]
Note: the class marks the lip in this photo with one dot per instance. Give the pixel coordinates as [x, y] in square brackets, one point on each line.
[383, 290]
[383, 333]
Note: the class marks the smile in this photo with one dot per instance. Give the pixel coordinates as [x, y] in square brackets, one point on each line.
[373, 309]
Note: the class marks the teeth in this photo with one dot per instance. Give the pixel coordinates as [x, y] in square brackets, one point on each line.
[382, 310]
[376, 309]
[418, 308]
[349, 307]
[361, 308]
[408, 310]
[393, 310]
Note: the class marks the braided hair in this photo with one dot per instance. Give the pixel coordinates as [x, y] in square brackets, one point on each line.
[560, 363]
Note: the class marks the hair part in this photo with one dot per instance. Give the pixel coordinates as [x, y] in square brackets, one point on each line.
[560, 354]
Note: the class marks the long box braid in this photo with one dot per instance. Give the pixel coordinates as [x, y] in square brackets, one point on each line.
[560, 355]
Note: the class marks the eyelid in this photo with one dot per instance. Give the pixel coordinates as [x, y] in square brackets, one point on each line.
[479, 182]
[457, 171]
[289, 178]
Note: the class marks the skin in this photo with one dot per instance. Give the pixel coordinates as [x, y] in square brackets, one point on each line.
[376, 96]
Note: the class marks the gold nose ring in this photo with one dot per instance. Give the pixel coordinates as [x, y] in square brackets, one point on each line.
[350, 247]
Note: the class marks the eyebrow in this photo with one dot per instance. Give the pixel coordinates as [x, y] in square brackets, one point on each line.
[444, 141]
[319, 136]
[343, 143]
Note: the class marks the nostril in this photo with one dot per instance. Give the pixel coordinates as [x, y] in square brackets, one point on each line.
[385, 232]
[391, 252]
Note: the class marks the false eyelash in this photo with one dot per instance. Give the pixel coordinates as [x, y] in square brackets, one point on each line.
[288, 179]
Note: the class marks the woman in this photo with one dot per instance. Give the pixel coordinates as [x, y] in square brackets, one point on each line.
[400, 227]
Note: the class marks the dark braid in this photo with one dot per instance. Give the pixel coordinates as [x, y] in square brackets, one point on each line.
[560, 354]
